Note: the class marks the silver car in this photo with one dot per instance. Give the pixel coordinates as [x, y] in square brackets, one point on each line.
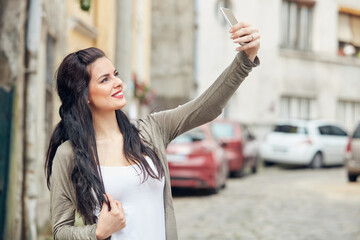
[353, 156]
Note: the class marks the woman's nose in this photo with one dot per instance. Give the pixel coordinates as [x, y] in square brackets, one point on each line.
[118, 81]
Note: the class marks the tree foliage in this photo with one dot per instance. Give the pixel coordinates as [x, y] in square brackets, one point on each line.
[85, 5]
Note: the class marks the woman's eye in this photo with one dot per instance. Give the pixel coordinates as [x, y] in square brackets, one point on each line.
[104, 80]
[116, 74]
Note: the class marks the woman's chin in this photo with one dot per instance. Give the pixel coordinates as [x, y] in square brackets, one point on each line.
[122, 105]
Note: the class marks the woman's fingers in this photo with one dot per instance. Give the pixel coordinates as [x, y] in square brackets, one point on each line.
[249, 45]
[116, 206]
[111, 221]
[242, 32]
[238, 26]
[247, 38]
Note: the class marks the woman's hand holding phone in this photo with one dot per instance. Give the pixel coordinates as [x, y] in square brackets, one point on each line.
[245, 33]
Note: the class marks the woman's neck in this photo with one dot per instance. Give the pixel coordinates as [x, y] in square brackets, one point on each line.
[106, 126]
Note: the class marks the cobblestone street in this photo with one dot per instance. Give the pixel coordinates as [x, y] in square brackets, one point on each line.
[276, 203]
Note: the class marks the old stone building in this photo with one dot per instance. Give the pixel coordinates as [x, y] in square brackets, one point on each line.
[310, 63]
[35, 37]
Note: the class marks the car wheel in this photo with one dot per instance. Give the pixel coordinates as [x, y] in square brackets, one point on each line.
[218, 184]
[352, 177]
[267, 163]
[317, 161]
[214, 190]
[253, 169]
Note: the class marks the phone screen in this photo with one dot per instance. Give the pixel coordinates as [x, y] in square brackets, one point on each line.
[229, 16]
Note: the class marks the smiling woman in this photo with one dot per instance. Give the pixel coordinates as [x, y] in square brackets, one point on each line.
[114, 172]
[105, 87]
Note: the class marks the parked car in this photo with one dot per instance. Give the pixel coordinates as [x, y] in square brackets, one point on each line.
[241, 148]
[313, 143]
[353, 155]
[196, 160]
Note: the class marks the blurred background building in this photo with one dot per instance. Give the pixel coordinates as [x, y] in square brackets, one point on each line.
[309, 59]
[167, 52]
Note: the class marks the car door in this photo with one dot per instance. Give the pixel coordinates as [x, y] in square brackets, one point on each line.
[250, 144]
[328, 143]
[340, 139]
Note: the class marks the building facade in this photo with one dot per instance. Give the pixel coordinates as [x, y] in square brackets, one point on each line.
[35, 36]
[310, 61]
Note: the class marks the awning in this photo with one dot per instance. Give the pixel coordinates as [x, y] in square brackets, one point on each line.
[308, 3]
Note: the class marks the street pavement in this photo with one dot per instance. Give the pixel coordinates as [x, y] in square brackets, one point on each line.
[274, 204]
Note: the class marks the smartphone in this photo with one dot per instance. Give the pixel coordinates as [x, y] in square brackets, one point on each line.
[230, 18]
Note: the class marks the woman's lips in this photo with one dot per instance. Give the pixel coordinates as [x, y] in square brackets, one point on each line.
[118, 94]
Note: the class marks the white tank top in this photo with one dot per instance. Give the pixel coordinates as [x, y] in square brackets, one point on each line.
[143, 203]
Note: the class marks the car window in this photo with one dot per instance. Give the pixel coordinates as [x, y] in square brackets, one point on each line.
[190, 136]
[287, 128]
[222, 130]
[357, 132]
[325, 130]
[336, 131]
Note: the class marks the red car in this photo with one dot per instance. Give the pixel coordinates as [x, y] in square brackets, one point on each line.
[240, 147]
[196, 160]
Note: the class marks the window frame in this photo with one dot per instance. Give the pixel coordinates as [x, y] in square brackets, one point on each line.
[298, 13]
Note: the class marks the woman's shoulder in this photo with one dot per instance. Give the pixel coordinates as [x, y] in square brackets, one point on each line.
[65, 149]
[63, 155]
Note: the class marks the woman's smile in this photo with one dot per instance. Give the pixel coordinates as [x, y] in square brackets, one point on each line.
[118, 94]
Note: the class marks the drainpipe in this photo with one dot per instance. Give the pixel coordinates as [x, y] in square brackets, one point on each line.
[33, 38]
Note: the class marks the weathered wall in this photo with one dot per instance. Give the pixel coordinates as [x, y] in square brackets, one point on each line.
[172, 52]
[12, 35]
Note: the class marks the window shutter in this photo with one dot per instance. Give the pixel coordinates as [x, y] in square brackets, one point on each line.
[355, 27]
[344, 29]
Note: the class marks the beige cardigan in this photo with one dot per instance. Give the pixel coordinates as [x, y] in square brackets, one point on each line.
[158, 129]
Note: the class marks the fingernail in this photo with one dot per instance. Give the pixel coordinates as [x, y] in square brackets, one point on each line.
[232, 36]
[231, 30]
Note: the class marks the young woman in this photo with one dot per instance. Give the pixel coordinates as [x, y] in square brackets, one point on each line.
[112, 171]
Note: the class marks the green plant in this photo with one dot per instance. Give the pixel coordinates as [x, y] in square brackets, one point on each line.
[142, 91]
[85, 5]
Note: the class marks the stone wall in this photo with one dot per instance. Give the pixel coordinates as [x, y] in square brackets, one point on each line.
[172, 52]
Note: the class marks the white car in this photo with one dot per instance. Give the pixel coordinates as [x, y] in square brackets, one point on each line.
[314, 143]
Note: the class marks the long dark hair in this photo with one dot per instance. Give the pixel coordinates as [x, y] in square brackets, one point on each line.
[76, 125]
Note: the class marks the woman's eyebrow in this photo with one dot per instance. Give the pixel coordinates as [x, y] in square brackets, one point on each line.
[104, 75]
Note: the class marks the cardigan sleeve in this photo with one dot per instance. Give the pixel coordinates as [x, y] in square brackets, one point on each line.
[207, 106]
[62, 199]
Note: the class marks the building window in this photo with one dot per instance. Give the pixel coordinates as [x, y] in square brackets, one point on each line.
[297, 21]
[349, 32]
[348, 113]
[297, 108]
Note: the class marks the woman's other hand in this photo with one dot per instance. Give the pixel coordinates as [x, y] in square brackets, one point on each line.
[111, 221]
[248, 37]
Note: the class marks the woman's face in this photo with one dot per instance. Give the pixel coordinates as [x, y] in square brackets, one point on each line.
[105, 87]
